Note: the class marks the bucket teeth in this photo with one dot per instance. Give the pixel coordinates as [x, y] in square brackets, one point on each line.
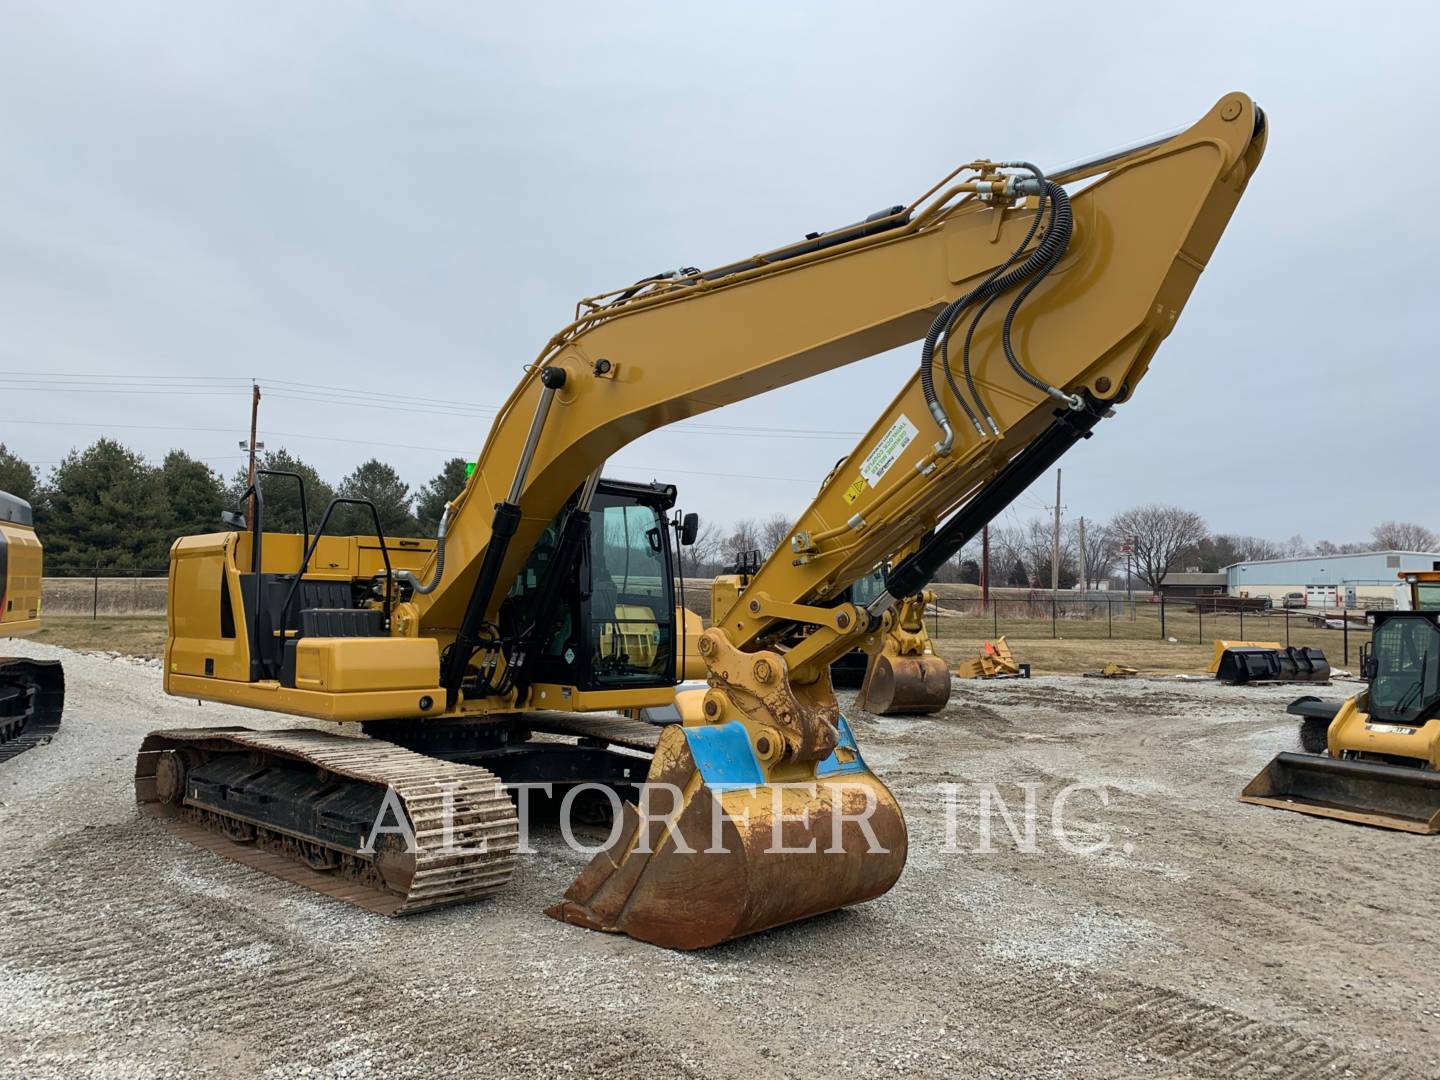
[721, 852]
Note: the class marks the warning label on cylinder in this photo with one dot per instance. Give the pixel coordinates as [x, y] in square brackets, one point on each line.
[901, 434]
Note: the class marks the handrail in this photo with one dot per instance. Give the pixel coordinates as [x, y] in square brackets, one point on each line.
[315, 542]
[304, 513]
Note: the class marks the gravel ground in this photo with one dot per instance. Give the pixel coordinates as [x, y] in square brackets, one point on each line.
[1207, 938]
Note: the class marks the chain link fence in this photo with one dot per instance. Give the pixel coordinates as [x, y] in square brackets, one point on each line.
[94, 591]
[1197, 620]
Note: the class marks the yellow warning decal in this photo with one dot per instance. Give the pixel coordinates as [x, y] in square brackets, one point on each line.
[854, 490]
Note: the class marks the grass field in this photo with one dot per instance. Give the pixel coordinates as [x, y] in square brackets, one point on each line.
[133, 635]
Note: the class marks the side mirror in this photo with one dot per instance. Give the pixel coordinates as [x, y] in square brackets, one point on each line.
[233, 518]
[689, 529]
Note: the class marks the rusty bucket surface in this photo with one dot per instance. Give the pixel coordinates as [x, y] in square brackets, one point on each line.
[905, 685]
[742, 855]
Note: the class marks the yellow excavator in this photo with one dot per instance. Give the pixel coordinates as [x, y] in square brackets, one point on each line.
[1375, 758]
[32, 692]
[544, 605]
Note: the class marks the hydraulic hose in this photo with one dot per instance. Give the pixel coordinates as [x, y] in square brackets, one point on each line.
[407, 577]
[1033, 270]
[1062, 226]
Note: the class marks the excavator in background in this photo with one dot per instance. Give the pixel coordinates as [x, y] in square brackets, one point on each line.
[903, 677]
[32, 692]
[544, 605]
[1375, 758]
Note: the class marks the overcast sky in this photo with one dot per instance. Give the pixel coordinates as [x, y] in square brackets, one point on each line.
[410, 198]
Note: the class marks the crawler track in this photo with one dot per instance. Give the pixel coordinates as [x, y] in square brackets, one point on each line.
[323, 773]
[32, 697]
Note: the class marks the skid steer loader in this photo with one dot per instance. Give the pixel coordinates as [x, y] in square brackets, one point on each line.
[1381, 748]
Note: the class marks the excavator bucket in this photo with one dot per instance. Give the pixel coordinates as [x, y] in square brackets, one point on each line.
[904, 685]
[1388, 796]
[1245, 664]
[720, 852]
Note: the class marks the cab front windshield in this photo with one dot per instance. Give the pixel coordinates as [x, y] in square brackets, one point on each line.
[1407, 669]
[1427, 596]
[631, 612]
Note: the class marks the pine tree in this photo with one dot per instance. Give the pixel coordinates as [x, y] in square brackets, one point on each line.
[18, 477]
[382, 485]
[282, 493]
[194, 497]
[107, 509]
[431, 499]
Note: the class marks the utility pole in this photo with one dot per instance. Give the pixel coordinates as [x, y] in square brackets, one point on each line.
[1084, 581]
[1055, 541]
[252, 446]
[985, 568]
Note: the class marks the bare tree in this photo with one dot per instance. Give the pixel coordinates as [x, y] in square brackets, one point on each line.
[1100, 553]
[1007, 547]
[1403, 536]
[774, 531]
[707, 554]
[746, 536]
[1037, 552]
[1294, 548]
[1325, 547]
[1160, 535]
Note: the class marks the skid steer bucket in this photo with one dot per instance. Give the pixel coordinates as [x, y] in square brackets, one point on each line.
[1389, 796]
[904, 685]
[1245, 664]
[720, 852]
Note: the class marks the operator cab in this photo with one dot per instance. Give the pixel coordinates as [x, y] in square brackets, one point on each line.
[1402, 663]
[614, 624]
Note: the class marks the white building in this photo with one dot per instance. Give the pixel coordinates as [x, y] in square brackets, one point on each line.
[1369, 577]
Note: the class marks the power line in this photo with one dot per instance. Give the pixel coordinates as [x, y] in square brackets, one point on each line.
[410, 446]
[679, 428]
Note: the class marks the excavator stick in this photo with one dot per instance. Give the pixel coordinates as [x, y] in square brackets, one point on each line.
[32, 698]
[1369, 793]
[898, 685]
[740, 853]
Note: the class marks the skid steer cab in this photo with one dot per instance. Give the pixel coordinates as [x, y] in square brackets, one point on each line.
[1382, 747]
[321, 625]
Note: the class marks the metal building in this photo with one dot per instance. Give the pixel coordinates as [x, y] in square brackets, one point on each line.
[1367, 578]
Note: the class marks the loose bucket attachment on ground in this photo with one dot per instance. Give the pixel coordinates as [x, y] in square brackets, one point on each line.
[32, 699]
[1246, 664]
[1222, 645]
[1388, 796]
[995, 661]
[741, 854]
[913, 685]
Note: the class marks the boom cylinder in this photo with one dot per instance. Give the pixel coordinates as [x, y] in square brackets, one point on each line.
[912, 575]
